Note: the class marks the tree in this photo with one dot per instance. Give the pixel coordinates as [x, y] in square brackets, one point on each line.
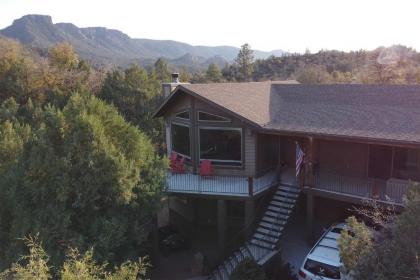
[161, 70]
[355, 245]
[85, 177]
[313, 75]
[137, 95]
[394, 251]
[244, 62]
[213, 73]
[63, 56]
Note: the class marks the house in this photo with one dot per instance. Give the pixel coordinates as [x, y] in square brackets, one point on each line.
[360, 142]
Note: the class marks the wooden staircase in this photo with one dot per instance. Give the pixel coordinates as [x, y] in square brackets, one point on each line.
[262, 246]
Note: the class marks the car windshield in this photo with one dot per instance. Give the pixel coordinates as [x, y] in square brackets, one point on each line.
[322, 269]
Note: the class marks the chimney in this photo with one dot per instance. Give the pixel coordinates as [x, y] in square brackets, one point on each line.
[168, 88]
[175, 78]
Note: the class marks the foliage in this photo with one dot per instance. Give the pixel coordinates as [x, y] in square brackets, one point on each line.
[248, 269]
[213, 73]
[395, 250]
[76, 266]
[26, 75]
[313, 75]
[81, 177]
[36, 263]
[244, 63]
[161, 70]
[137, 95]
[63, 56]
[355, 244]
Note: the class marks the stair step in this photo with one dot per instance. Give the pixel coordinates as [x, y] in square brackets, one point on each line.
[274, 226]
[245, 252]
[275, 212]
[269, 232]
[258, 251]
[285, 199]
[263, 244]
[266, 238]
[295, 190]
[287, 194]
[280, 220]
[282, 204]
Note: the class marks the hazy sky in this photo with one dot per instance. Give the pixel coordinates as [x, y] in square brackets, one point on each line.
[293, 25]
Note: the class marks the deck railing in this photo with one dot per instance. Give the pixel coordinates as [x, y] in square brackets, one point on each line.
[223, 185]
[391, 190]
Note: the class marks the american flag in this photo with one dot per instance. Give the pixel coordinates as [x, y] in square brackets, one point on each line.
[299, 159]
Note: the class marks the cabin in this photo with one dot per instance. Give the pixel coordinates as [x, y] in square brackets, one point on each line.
[360, 142]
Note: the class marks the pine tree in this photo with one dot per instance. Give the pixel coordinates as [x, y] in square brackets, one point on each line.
[245, 63]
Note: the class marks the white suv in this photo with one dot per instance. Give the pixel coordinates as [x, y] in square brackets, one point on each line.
[323, 261]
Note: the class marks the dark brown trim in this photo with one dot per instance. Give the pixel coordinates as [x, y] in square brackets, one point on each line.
[343, 138]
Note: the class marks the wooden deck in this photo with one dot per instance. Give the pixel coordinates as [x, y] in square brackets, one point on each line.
[219, 185]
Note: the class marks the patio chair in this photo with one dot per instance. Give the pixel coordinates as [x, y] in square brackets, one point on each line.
[179, 166]
[173, 160]
[206, 168]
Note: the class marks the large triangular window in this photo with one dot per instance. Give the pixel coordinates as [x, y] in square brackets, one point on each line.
[185, 115]
[208, 117]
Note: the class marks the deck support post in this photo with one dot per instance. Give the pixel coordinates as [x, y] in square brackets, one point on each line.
[250, 186]
[310, 163]
[221, 223]
[249, 216]
[310, 218]
[155, 240]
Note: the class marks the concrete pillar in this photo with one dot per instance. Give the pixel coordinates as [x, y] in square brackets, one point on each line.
[221, 223]
[310, 218]
[249, 216]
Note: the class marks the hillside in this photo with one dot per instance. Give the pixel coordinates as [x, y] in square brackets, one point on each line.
[109, 46]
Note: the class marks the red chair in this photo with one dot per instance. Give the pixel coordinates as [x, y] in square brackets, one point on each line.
[179, 166]
[173, 160]
[206, 168]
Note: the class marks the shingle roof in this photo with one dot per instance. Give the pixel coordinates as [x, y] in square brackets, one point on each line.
[380, 112]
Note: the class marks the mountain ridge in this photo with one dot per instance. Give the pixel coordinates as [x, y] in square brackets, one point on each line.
[102, 45]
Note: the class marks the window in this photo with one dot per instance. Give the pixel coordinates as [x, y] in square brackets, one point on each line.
[406, 159]
[221, 145]
[203, 116]
[185, 115]
[322, 269]
[181, 139]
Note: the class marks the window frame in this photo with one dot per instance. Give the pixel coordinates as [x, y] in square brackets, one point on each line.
[189, 137]
[235, 163]
[226, 120]
[183, 119]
